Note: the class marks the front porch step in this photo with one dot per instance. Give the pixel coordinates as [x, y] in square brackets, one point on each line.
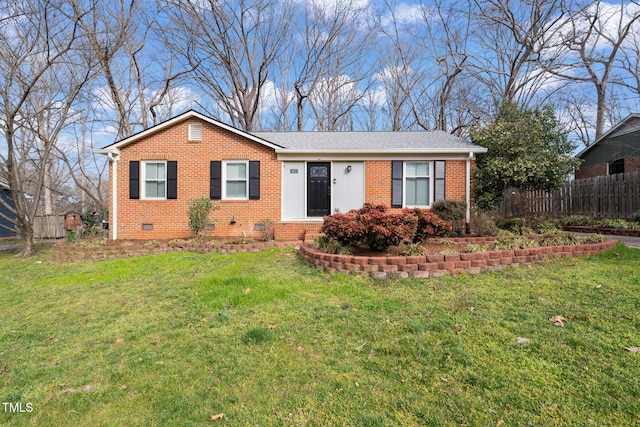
[312, 234]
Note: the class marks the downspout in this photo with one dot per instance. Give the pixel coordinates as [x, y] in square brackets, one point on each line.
[113, 158]
[468, 192]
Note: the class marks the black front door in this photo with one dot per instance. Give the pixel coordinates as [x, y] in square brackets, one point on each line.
[318, 188]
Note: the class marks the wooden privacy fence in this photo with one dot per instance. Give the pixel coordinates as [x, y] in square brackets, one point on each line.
[49, 227]
[609, 196]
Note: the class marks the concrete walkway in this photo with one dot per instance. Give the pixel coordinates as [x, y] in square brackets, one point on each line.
[15, 246]
[632, 242]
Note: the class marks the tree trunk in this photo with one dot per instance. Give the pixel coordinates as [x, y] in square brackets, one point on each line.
[48, 197]
[602, 107]
[29, 246]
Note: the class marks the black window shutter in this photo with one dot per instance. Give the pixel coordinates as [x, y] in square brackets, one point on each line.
[134, 180]
[172, 180]
[254, 180]
[396, 183]
[215, 180]
[440, 173]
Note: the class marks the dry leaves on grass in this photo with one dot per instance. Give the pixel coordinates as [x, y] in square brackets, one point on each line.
[632, 349]
[216, 417]
[558, 320]
[272, 327]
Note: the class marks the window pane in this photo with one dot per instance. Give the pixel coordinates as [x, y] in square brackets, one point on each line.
[236, 189]
[417, 192]
[161, 188]
[411, 192]
[236, 171]
[154, 189]
[422, 192]
[151, 171]
[417, 169]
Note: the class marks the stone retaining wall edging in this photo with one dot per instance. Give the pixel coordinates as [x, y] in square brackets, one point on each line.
[439, 265]
[64, 253]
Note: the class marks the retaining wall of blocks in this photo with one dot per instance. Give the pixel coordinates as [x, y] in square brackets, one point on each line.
[599, 230]
[65, 253]
[438, 265]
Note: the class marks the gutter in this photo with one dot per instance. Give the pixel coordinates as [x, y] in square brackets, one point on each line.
[113, 154]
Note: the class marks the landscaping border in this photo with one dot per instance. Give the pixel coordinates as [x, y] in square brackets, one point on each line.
[66, 253]
[424, 266]
[599, 230]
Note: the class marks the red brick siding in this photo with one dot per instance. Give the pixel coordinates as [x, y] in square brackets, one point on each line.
[631, 164]
[378, 181]
[596, 169]
[170, 217]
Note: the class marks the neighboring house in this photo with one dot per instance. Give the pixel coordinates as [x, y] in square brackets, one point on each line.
[289, 179]
[5, 195]
[617, 151]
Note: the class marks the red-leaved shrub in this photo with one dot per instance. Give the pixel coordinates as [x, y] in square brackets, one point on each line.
[429, 224]
[373, 226]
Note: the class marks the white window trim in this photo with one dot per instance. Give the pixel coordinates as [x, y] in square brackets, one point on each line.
[143, 180]
[224, 179]
[195, 131]
[404, 184]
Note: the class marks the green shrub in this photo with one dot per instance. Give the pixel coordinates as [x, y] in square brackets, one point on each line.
[577, 220]
[89, 226]
[514, 225]
[476, 248]
[71, 236]
[594, 238]
[545, 227]
[513, 243]
[451, 210]
[331, 247]
[613, 223]
[559, 239]
[486, 227]
[199, 210]
[412, 249]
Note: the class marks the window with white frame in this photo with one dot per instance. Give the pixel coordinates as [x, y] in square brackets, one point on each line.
[236, 178]
[417, 184]
[154, 180]
[195, 131]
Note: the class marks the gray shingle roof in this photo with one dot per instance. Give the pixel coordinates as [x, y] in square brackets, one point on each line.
[420, 141]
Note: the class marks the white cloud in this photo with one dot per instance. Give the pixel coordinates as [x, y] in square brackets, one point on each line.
[404, 14]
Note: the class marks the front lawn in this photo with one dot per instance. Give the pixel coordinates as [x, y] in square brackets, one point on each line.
[175, 339]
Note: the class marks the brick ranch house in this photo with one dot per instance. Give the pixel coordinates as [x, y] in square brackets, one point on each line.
[617, 151]
[290, 179]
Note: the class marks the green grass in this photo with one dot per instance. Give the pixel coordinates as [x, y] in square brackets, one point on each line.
[173, 339]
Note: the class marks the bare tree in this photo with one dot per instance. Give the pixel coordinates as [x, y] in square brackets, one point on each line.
[513, 37]
[592, 43]
[232, 47]
[35, 37]
[343, 72]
